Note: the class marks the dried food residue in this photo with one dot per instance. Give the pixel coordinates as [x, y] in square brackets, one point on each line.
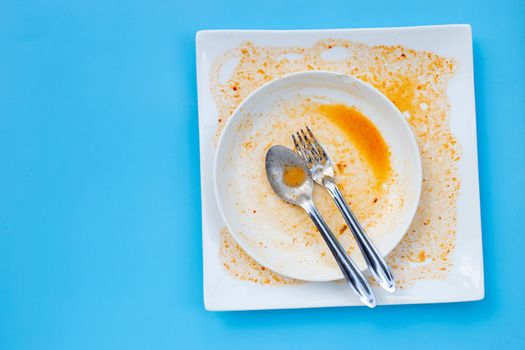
[241, 266]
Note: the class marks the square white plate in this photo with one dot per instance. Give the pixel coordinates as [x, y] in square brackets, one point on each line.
[465, 280]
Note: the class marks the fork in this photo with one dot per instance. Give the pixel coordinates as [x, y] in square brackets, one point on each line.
[322, 170]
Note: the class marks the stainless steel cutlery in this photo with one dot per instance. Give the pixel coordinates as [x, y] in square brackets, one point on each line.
[322, 171]
[311, 158]
[278, 159]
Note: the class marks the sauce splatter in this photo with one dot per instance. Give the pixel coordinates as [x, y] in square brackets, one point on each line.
[364, 135]
[293, 176]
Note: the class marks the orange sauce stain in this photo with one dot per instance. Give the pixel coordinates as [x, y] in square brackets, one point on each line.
[364, 135]
[402, 93]
[421, 256]
[293, 176]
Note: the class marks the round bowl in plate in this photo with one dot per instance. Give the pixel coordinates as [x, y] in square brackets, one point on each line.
[280, 236]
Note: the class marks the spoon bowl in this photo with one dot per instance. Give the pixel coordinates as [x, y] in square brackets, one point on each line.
[277, 159]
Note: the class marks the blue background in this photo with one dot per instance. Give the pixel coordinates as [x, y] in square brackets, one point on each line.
[100, 243]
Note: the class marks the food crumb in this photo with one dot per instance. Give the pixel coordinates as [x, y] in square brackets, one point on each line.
[242, 267]
[421, 256]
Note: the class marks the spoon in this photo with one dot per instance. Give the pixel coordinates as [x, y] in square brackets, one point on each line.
[278, 159]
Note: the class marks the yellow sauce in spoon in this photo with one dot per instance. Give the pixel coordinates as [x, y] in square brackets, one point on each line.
[293, 176]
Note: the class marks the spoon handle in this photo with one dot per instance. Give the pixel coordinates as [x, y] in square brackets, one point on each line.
[377, 265]
[353, 276]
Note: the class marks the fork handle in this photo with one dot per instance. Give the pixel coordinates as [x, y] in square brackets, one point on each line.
[377, 265]
[351, 272]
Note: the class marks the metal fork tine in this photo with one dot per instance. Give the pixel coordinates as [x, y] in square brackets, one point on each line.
[314, 154]
[304, 149]
[320, 150]
[298, 147]
[311, 148]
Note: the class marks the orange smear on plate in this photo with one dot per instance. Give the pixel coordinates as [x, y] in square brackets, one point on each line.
[364, 135]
